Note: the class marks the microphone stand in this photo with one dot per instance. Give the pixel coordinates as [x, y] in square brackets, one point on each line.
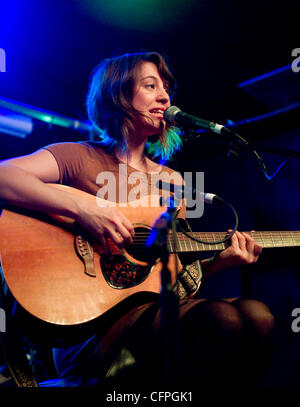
[169, 329]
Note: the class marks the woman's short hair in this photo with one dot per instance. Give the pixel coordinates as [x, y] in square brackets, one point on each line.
[109, 102]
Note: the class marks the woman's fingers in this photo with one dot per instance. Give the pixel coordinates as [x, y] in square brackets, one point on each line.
[127, 224]
[121, 229]
[244, 247]
[104, 223]
[250, 242]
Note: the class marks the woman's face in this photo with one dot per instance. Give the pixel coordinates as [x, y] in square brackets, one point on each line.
[151, 98]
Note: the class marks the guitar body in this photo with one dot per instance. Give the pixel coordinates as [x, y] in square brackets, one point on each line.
[47, 277]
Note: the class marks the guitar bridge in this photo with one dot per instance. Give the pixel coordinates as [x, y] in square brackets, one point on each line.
[86, 253]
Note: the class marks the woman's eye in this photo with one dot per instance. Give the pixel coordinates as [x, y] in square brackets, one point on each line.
[150, 85]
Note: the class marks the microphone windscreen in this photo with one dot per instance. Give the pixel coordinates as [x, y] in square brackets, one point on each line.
[170, 113]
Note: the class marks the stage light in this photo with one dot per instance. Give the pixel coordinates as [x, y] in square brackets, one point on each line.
[143, 15]
[14, 124]
[46, 119]
[43, 115]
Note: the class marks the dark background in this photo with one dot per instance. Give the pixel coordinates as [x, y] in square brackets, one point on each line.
[212, 46]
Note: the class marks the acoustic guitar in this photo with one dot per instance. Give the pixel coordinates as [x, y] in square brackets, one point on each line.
[60, 274]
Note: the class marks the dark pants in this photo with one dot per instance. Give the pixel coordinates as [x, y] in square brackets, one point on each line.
[218, 343]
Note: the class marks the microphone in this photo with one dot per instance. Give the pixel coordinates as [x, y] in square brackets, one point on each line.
[183, 190]
[174, 115]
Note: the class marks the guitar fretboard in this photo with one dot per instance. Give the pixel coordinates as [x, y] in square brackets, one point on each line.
[266, 239]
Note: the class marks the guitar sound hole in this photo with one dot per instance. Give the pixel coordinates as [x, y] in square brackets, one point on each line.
[137, 249]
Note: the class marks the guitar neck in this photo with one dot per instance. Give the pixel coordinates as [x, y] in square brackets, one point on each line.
[265, 239]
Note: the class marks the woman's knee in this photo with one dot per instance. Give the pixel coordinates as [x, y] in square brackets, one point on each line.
[256, 314]
[215, 315]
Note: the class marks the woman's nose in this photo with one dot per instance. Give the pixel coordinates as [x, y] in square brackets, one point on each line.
[163, 96]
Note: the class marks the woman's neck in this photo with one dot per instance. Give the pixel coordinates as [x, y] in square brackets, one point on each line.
[133, 155]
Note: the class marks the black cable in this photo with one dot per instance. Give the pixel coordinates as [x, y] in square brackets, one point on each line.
[259, 159]
[220, 201]
[240, 140]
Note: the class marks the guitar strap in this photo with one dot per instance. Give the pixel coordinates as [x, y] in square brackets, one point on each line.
[12, 345]
[189, 279]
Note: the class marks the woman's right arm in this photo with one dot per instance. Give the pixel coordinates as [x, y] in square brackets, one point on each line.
[23, 182]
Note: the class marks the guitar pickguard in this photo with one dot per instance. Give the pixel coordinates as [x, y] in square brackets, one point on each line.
[119, 272]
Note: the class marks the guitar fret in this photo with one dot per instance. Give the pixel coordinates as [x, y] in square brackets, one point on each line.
[282, 241]
[294, 241]
[279, 241]
[286, 242]
[186, 245]
[178, 243]
[212, 240]
[260, 238]
[214, 246]
[290, 240]
[220, 237]
[271, 234]
[217, 240]
[197, 245]
[200, 246]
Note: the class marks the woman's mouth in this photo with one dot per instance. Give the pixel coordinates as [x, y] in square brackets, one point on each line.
[159, 113]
